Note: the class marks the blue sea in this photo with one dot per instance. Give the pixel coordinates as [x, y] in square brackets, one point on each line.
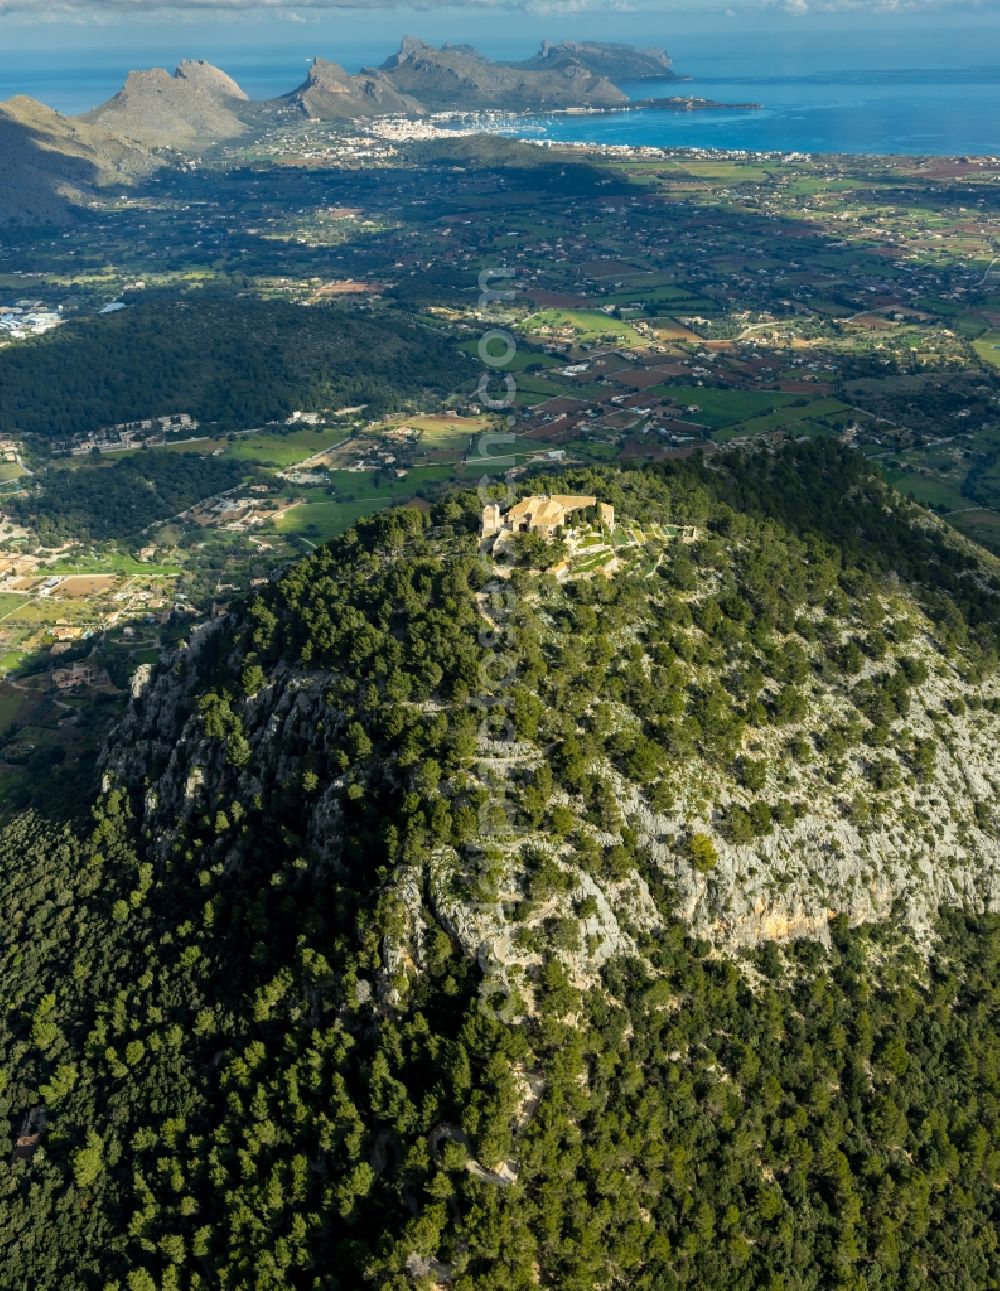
[936, 94]
[928, 91]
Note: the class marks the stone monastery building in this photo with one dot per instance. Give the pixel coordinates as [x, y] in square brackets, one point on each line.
[542, 514]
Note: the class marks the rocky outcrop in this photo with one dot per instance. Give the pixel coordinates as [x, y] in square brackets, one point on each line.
[329, 93]
[617, 62]
[456, 78]
[191, 110]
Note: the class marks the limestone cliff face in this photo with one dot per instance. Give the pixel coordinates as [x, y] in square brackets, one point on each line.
[332, 94]
[209, 80]
[851, 849]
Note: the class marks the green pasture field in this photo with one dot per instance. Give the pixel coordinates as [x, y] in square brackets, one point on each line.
[538, 385]
[790, 417]
[270, 448]
[517, 362]
[588, 323]
[649, 279]
[988, 348]
[927, 490]
[592, 451]
[896, 383]
[506, 455]
[12, 659]
[284, 450]
[361, 483]
[10, 603]
[442, 426]
[590, 390]
[721, 406]
[830, 308]
[443, 435]
[678, 298]
[981, 526]
[37, 612]
[969, 326]
[719, 169]
[321, 517]
[13, 705]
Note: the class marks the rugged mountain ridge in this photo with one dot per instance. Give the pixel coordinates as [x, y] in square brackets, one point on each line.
[457, 77]
[329, 93]
[52, 166]
[200, 106]
[615, 61]
[58, 162]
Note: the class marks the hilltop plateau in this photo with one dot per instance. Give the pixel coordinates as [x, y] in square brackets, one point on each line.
[834, 746]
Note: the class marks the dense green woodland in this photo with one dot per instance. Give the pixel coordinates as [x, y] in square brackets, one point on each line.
[228, 360]
[122, 499]
[243, 1092]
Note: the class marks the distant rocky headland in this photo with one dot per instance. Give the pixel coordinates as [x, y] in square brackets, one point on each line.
[199, 106]
[53, 164]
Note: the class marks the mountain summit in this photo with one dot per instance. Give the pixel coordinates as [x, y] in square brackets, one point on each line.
[331, 94]
[197, 106]
[615, 61]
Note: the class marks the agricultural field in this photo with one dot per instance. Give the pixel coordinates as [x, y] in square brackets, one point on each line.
[284, 450]
[988, 347]
[586, 324]
[319, 518]
[718, 407]
[927, 489]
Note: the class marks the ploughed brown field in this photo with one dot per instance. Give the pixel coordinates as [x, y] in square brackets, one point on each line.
[81, 585]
